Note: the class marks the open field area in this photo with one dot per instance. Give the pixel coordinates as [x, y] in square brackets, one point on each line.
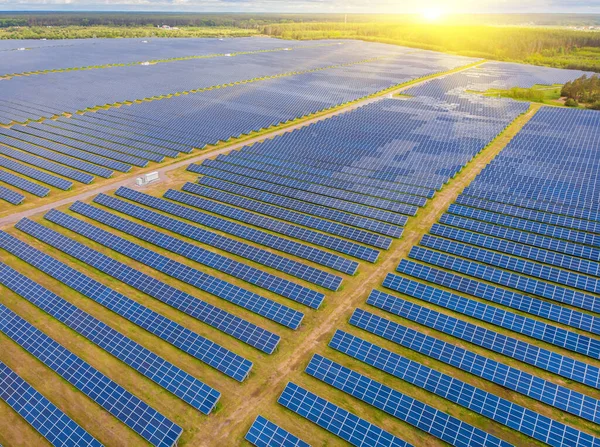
[348, 243]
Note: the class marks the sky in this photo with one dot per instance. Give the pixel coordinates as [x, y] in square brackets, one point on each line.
[314, 6]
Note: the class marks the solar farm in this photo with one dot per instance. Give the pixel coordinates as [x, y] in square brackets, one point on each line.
[347, 245]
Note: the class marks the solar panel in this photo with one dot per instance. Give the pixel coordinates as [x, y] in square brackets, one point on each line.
[207, 283]
[36, 174]
[170, 377]
[341, 217]
[23, 184]
[271, 282]
[326, 226]
[213, 316]
[168, 330]
[137, 415]
[336, 420]
[476, 399]
[535, 254]
[501, 374]
[316, 199]
[534, 306]
[511, 347]
[537, 329]
[301, 270]
[520, 266]
[430, 420]
[54, 425]
[277, 226]
[523, 237]
[264, 433]
[11, 196]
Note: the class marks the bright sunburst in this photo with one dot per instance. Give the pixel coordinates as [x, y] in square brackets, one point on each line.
[432, 14]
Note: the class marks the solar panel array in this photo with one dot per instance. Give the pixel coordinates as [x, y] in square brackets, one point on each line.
[264, 433]
[504, 289]
[318, 75]
[58, 428]
[129, 409]
[164, 373]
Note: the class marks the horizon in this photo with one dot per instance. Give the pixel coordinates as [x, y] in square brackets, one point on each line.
[456, 7]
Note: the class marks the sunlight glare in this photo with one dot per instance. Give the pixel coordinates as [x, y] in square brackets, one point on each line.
[432, 14]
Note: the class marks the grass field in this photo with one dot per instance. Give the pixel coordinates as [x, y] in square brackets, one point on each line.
[241, 403]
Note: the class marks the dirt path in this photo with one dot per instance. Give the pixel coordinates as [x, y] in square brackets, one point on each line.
[130, 180]
[415, 229]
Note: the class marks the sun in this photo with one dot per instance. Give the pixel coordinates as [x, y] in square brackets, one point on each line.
[432, 14]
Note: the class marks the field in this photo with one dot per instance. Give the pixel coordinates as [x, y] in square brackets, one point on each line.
[437, 209]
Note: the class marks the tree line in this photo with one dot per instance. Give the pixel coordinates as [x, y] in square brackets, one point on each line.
[583, 90]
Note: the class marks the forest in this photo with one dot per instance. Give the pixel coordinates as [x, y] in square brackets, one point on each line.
[584, 90]
[539, 39]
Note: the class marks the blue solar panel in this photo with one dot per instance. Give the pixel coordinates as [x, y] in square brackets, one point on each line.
[535, 254]
[15, 141]
[23, 184]
[502, 296]
[11, 196]
[520, 350]
[336, 420]
[137, 415]
[263, 256]
[285, 245]
[537, 216]
[522, 237]
[341, 217]
[496, 408]
[316, 199]
[505, 262]
[168, 330]
[401, 205]
[271, 282]
[264, 433]
[508, 279]
[537, 329]
[54, 425]
[36, 174]
[509, 377]
[164, 373]
[277, 226]
[222, 289]
[430, 420]
[123, 161]
[48, 166]
[566, 234]
[230, 324]
[326, 226]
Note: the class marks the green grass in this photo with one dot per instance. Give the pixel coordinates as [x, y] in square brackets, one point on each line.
[543, 94]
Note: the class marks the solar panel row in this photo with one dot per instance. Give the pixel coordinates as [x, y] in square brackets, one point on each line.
[300, 294]
[302, 271]
[213, 316]
[306, 220]
[54, 425]
[303, 251]
[264, 433]
[506, 376]
[534, 306]
[11, 196]
[232, 267]
[208, 283]
[511, 347]
[133, 412]
[475, 399]
[168, 330]
[340, 422]
[364, 223]
[170, 377]
[423, 416]
[23, 184]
